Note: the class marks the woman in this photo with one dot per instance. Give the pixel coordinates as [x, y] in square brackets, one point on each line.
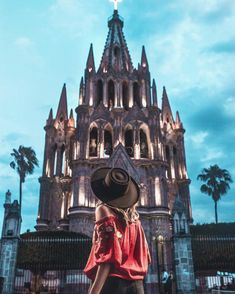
[119, 257]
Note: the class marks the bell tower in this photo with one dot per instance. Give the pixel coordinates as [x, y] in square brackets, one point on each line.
[55, 192]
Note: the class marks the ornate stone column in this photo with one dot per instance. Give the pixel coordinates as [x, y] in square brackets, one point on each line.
[130, 94]
[105, 96]
[9, 244]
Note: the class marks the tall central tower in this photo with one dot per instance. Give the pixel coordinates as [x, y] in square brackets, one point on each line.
[119, 124]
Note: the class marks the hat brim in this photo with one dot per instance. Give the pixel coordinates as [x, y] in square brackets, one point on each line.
[128, 199]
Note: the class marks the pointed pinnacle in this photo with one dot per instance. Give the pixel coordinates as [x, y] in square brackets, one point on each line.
[166, 108]
[50, 117]
[50, 114]
[81, 83]
[177, 120]
[71, 114]
[144, 60]
[154, 93]
[90, 65]
[62, 108]
[71, 122]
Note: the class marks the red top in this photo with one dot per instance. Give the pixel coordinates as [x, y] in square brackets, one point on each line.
[124, 246]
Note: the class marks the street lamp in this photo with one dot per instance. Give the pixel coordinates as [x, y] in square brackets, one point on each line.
[160, 240]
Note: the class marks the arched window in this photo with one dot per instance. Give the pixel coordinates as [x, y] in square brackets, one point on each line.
[129, 142]
[108, 144]
[99, 91]
[183, 224]
[93, 142]
[125, 95]
[176, 223]
[116, 51]
[136, 93]
[116, 59]
[111, 94]
[143, 145]
[168, 159]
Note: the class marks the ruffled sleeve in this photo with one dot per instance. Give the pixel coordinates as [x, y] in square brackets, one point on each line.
[106, 246]
[108, 241]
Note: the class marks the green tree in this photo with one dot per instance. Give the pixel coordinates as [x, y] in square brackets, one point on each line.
[217, 182]
[24, 161]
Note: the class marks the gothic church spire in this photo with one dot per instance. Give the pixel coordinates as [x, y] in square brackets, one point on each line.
[116, 56]
[62, 111]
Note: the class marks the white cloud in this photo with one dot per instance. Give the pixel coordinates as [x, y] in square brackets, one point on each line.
[229, 106]
[7, 171]
[28, 52]
[206, 153]
[209, 6]
[72, 17]
[24, 42]
[184, 59]
[211, 154]
[199, 138]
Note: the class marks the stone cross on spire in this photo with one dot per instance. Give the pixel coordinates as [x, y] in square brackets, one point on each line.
[115, 3]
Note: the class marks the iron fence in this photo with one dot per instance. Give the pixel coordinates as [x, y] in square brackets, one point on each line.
[52, 262]
[53, 282]
[213, 253]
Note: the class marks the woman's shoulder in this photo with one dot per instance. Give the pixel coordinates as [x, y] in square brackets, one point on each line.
[103, 211]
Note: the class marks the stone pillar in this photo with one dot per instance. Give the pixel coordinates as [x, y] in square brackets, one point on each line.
[184, 265]
[120, 92]
[91, 94]
[59, 161]
[172, 166]
[105, 96]
[115, 94]
[136, 139]
[143, 94]
[8, 263]
[183, 258]
[9, 245]
[130, 94]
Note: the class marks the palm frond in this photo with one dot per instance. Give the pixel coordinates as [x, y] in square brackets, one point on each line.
[24, 162]
[205, 189]
[13, 164]
[216, 180]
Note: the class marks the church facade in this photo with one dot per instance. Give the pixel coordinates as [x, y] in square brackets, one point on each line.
[118, 123]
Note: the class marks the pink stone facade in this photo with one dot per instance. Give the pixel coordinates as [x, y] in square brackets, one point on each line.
[118, 123]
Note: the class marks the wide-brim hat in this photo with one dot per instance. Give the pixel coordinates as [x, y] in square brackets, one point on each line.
[115, 187]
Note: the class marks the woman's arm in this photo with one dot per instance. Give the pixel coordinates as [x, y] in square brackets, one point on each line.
[103, 269]
[101, 276]
[103, 211]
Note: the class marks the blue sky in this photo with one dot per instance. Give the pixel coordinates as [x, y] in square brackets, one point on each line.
[190, 47]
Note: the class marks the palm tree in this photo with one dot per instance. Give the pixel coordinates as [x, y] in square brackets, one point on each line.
[217, 182]
[24, 162]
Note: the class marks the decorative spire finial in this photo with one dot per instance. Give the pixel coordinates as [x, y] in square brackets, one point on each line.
[8, 197]
[115, 3]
